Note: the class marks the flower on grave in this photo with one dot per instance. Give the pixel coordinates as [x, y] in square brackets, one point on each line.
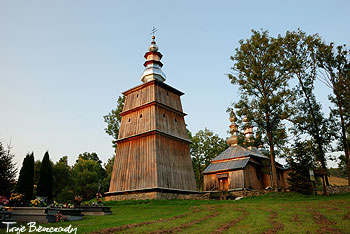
[60, 217]
[16, 197]
[38, 202]
[3, 200]
[34, 202]
[78, 198]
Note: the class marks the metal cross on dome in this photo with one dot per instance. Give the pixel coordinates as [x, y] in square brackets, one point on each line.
[154, 30]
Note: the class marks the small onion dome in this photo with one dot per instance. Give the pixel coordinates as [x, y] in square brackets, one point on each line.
[153, 70]
[153, 47]
[233, 139]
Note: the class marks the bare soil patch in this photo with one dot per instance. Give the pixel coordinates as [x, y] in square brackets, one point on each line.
[276, 226]
[186, 225]
[129, 226]
[227, 226]
[325, 224]
[296, 219]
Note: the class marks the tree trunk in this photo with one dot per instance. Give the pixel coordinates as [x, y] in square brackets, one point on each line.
[344, 139]
[273, 164]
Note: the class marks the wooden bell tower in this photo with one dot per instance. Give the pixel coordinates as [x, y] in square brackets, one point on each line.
[153, 156]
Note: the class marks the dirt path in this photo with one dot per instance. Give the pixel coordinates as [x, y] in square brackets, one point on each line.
[296, 220]
[128, 226]
[186, 225]
[325, 224]
[276, 226]
[227, 226]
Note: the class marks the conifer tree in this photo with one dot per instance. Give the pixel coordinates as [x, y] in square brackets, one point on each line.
[301, 161]
[7, 171]
[45, 184]
[25, 183]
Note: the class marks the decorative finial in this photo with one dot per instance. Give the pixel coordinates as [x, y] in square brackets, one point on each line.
[153, 70]
[249, 134]
[233, 139]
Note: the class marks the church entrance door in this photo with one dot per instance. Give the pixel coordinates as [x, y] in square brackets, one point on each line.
[223, 184]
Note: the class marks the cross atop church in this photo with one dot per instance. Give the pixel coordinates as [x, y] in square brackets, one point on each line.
[154, 30]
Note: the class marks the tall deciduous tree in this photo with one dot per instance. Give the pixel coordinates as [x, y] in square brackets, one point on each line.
[300, 52]
[113, 119]
[205, 146]
[7, 171]
[25, 183]
[335, 64]
[45, 184]
[263, 84]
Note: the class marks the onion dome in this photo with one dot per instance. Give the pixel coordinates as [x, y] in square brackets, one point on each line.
[249, 134]
[233, 139]
[153, 70]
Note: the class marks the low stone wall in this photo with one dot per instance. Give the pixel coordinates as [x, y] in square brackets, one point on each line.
[157, 195]
[338, 189]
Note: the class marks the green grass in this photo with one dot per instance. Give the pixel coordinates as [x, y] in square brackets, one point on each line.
[288, 212]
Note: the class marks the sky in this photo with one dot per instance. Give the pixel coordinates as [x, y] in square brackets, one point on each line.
[64, 63]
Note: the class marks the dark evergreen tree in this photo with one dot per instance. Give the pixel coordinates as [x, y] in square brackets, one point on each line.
[88, 177]
[45, 184]
[25, 183]
[62, 177]
[300, 160]
[7, 171]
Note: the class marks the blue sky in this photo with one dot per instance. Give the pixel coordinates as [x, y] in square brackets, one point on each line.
[63, 63]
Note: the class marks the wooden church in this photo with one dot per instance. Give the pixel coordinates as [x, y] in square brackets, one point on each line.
[152, 159]
[239, 168]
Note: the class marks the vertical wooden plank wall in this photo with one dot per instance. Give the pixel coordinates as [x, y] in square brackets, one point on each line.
[152, 150]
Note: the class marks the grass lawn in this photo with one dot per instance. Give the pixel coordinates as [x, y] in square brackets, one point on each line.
[270, 213]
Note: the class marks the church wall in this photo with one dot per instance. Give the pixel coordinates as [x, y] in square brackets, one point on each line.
[137, 122]
[210, 182]
[267, 180]
[139, 97]
[253, 177]
[236, 179]
[170, 122]
[168, 98]
[174, 165]
[134, 165]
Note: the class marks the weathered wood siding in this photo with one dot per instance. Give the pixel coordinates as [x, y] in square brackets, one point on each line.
[135, 165]
[139, 97]
[174, 165]
[168, 98]
[137, 122]
[236, 179]
[170, 122]
[146, 156]
[210, 182]
[253, 177]
[267, 180]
